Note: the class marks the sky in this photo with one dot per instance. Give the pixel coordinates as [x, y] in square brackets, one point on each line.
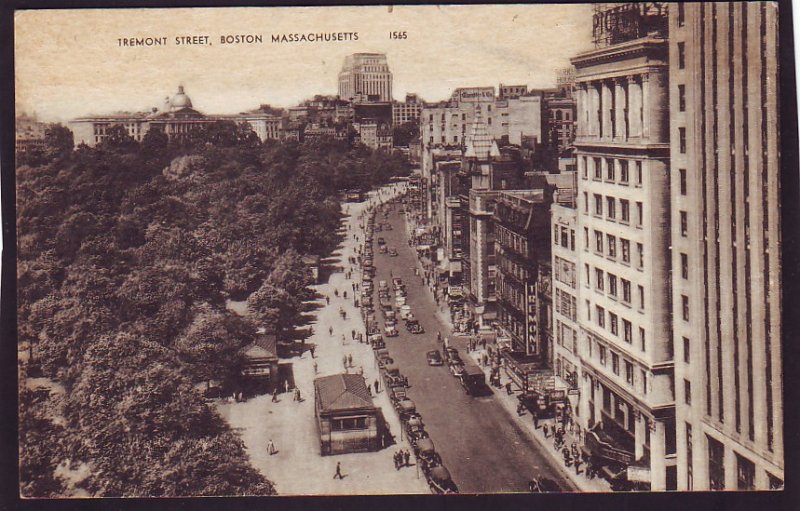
[69, 63]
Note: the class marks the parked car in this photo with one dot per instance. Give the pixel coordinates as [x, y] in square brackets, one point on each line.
[393, 252]
[434, 358]
[543, 485]
[456, 368]
[383, 249]
[390, 330]
[451, 355]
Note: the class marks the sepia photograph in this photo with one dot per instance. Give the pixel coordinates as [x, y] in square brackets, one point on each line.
[399, 250]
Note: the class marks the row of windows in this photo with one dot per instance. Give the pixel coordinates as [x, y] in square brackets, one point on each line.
[613, 323]
[610, 165]
[608, 246]
[605, 354]
[613, 290]
[610, 208]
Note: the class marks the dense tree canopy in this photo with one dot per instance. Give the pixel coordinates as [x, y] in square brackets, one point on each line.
[127, 255]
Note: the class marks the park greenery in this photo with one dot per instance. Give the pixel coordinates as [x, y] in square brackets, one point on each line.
[127, 255]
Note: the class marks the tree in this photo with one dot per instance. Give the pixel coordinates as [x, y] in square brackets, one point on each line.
[58, 142]
[117, 138]
[154, 142]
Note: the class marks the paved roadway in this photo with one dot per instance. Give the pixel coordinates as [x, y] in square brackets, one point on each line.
[481, 445]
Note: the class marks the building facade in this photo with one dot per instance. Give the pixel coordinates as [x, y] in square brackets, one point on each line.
[566, 297]
[521, 227]
[622, 149]
[176, 118]
[407, 111]
[365, 76]
[726, 245]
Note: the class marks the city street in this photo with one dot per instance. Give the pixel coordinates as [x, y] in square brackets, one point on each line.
[481, 444]
[297, 468]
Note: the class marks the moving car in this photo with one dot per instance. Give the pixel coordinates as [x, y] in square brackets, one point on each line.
[434, 358]
[451, 355]
[393, 252]
[413, 326]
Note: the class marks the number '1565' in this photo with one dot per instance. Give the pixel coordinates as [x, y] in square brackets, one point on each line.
[398, 35]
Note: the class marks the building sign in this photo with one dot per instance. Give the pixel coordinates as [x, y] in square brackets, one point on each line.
[474, 94]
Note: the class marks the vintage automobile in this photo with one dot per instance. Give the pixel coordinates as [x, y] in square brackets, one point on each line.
[543, 485]
[456, 368]
[382, 249]
[473, 380]
[415, 432]
[440, 481]
[375, 339]
[382, 355]
[392, 376]
[405, 311]
[381, 241]
[397, 282]
[406, 408]
[400, 301]
[434, 358]
[386, 304]
[392, 252]
[426, 454]
[387, 227]
[413, 326]
[451, 355]
[382, 284]
[390, 330]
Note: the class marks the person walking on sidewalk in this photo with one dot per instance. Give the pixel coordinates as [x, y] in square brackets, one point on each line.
[275, 395]
[350, 360]
[271, 448]
[406, 458]
[535, 419]
[338, 471]
[546, 430]
[376, 385]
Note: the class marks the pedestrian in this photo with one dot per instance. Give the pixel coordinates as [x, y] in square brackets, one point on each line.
[297, 394]
[397, 460]
[336, 293]
[275, 395]
[315, 367]
[376, 385]
[344, 294]
[406, 457]
[508, 388]
[330, 330]
[536, 420]
[328, 300]
[271, 448]
[353, 334]
[286, 385]
[350, 360]
[338, 471]
[546, 430]
[311, 349]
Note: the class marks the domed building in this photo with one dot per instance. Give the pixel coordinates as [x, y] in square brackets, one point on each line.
[176, 118]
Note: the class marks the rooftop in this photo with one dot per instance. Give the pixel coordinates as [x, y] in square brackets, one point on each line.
[341, 392]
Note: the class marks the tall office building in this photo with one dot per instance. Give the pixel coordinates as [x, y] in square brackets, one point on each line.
[365, 76]
[622, 149]
[726, 244]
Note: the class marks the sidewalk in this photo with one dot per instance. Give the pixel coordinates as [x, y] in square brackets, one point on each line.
[298, 468]
[583, 483]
